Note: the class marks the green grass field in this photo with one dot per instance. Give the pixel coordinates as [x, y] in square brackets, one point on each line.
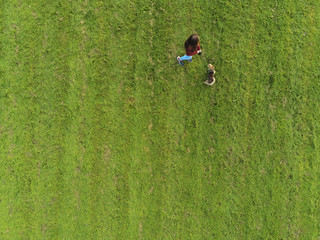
[104, 136]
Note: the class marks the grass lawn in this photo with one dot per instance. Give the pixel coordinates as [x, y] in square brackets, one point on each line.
[104, 136]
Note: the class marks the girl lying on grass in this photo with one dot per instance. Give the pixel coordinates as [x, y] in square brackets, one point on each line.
[192, 46]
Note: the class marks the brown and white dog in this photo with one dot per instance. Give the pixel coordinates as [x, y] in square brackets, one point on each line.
[211, 78]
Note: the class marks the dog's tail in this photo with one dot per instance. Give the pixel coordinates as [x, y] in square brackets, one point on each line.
[210, 81]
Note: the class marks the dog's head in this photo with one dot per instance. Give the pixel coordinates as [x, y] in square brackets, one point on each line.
[210, 66]
[211, 69]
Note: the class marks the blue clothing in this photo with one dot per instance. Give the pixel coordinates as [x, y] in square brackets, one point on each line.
[186, 57]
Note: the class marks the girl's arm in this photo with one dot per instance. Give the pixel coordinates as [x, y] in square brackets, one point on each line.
[198, 49]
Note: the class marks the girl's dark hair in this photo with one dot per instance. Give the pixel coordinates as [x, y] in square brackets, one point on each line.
[192, 42]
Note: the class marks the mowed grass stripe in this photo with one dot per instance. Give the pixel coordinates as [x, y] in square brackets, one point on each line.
[173, 92]
[288, 144]
[33, 133]
[306, 91]
[230, 116]
[73, 167]
[150, 135]
[144, 198]
[20, 174]
[111, 132]
[98, 153]
[194, 143]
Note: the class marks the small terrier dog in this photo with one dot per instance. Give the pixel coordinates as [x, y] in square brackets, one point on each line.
[211, 78]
